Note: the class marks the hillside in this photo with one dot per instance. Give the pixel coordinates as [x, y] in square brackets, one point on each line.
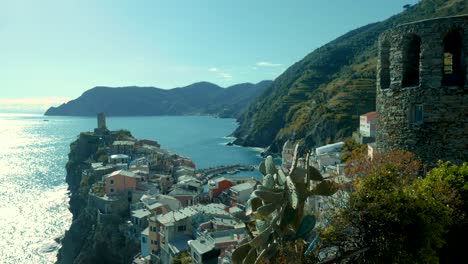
[197, 98]
[320, 98]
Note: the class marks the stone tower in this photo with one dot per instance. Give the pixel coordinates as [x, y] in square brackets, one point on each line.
[422, 105]
[101, 119]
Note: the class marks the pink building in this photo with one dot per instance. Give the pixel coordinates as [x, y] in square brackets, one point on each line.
[120, 182]
[367, 124]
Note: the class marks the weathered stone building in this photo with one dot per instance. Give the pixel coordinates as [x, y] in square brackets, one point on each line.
[421, 89]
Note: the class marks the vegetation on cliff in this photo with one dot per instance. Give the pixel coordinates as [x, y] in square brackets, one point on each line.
[320, 98]
[395, 216]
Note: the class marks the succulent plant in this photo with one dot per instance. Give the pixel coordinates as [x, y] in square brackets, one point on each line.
[276, 209]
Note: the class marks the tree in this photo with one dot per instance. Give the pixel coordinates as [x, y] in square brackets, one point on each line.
[457, 177]
[351, 145]
[392, 213]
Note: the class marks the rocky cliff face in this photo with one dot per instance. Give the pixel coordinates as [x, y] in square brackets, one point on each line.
[88, 241]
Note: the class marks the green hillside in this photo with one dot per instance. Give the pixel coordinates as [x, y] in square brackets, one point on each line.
[321, 97]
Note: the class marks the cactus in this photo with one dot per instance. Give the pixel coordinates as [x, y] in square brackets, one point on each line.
[276, 208]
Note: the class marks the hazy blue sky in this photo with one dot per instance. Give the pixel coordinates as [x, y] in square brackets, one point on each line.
[55, 50]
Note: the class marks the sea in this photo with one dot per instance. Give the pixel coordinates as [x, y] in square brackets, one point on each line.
[34, 211]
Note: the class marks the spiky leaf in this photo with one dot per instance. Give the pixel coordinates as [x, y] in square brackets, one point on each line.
[269, 197]
[240, 253]
[266, 209]
[261, 240]
[268, 181]
[261, 225]
[314, 174]
[262, 168]
[325, 188]
[270, 165]
[263, 188]
[288, 216]
[281, 179]
[251, 256]
[268, 253]
[298, 174]
[253, 204]
[292, 193]
[307, 224]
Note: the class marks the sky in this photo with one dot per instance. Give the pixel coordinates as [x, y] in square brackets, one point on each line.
[51, 51]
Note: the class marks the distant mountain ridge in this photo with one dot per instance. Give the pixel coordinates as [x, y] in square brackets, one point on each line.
[202, 98]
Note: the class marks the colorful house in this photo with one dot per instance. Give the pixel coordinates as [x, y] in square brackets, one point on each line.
[367, 124]
[218, 185]
[120, 182]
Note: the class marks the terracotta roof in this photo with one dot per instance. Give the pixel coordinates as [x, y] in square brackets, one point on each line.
[370, 115]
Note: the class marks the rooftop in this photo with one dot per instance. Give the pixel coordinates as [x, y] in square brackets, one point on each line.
[330, 147]
[212, 209]
[243, 186]
[123, 173]
[177, 190]
[220, 179]
[202, 245]
[119, 156]
[174, 216]
[140, 213]
[179, 244]
[370, 115]
[123, 142]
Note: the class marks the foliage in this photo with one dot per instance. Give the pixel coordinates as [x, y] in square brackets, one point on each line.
[121, 135]
[351, 145]
[396, 216]
[401, 162]
[101, 154]
[456, 177]
[182, 258]
[277, 209]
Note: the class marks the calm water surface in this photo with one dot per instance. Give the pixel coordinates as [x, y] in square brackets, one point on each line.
[33, 153]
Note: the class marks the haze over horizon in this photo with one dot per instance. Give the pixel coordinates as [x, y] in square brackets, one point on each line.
[53, 51]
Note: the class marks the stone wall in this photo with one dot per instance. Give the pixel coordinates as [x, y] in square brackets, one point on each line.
[443, 132]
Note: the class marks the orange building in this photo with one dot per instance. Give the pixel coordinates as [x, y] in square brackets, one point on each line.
[218, 185]
[120, 182]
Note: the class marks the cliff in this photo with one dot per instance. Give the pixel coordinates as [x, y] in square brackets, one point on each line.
[199, 98]
[319, 99]
[87, 240]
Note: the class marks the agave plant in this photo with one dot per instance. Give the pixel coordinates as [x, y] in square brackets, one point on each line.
[276, 208]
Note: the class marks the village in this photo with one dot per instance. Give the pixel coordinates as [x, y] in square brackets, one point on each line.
[175, 208]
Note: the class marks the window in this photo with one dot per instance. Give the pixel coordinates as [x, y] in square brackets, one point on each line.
[417, 114]
[385, 65]
[454, 69]
[143, 240]
[112, 182]
[181, 228]
[111, 190]
[411, 56]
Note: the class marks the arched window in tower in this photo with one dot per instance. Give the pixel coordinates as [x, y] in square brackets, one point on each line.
[385, 65]
[454, 69]
[411, 57]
